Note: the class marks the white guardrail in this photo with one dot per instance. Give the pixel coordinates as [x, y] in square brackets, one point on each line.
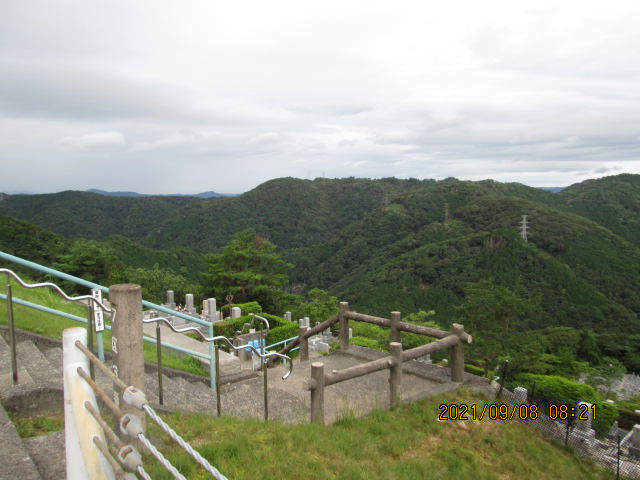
[86, 433]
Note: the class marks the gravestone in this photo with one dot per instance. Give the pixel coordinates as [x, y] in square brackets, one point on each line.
[212, 308]
[632, 440]
[170, 300]
[521, 395]
[236, 312]
[189, 304]
[583, 433]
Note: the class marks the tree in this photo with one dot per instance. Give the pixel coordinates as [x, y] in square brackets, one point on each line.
[91, 261]
[320, 307]
[249, 269]
[489, 312]
[156, 281]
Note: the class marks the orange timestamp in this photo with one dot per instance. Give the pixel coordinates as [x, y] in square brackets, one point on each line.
[523, 411]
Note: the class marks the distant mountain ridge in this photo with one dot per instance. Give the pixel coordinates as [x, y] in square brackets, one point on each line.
[388, 244]
[209, 194]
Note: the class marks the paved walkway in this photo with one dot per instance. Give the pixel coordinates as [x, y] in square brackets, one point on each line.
[289, 401]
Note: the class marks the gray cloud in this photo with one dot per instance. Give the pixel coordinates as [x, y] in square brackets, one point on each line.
[540, 92]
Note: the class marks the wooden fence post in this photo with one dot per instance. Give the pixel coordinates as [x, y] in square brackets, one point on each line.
[304, 345]
[344, 326]
[395, 333]
[395, 375]
[126, 341]
[317, 394]
[457, 355]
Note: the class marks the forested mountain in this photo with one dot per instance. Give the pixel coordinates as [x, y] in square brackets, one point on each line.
[386, 244]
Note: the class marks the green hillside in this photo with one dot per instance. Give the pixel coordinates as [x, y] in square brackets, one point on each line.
[382, 245]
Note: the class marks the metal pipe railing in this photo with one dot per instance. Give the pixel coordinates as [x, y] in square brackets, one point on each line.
[264, 358]
[86, 283]
[92, 300]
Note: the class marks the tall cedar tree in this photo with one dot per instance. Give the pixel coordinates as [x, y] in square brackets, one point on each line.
[489, 312]
[249, 269]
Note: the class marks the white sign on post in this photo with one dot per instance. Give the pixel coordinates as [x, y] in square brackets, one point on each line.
[98, 314]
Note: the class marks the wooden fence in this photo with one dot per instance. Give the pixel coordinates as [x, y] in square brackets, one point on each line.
[319, 380]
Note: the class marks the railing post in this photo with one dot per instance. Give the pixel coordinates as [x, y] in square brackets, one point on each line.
[126, 342]
[92, 370]
[457, 355]
[159, 355]
[344, 326]
[395, 375]
[317, 394]
[265, 376]
[12, 333]
[395, 333]
[217, 357]
[213, 362]
[304, 344]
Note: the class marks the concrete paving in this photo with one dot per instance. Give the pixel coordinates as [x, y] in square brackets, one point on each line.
[289, 401]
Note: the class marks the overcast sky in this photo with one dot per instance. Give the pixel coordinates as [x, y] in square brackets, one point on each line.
[186, 96]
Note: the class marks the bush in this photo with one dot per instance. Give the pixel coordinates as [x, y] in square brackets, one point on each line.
[606, 414]
[627, 417]
[249, 307]
[283, 332]
[473, 370]
[367, 343]
[558, 390]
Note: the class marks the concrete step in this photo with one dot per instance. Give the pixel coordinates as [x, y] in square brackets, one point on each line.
[200, 398]
[16, 463]
[36, 364]
[54, 355]
[6, 374]
[48, 455]
[169, 395]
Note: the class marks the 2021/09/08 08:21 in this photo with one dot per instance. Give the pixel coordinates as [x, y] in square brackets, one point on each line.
[523, 411]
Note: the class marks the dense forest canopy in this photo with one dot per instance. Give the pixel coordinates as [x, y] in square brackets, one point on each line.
[383, 245]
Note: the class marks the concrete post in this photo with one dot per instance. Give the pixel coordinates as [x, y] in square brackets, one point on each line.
[317, 394]
[344, 326]
[395, 375]
[126, 341]
[395, 333]
[304, 345]
[457, 355]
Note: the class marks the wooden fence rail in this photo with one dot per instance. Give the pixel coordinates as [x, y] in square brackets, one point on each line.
[319, 380]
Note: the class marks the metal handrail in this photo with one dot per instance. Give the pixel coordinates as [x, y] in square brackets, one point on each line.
[211, 340]
[86, 283]
[223, 339]
[81, 298]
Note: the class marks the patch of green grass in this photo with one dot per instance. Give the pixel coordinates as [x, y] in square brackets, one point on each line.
[36, 426]
[407, 443]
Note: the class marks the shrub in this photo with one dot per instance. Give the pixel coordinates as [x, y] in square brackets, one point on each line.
[627, 417]
[249, 307]
[283, 332]
[472, 369]
[558, 390]
[606, 414]
[367, 343]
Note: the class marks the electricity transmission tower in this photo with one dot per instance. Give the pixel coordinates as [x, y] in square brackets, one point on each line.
[524, 227]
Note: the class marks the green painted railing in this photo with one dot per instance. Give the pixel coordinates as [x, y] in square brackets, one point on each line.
[85, 283]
